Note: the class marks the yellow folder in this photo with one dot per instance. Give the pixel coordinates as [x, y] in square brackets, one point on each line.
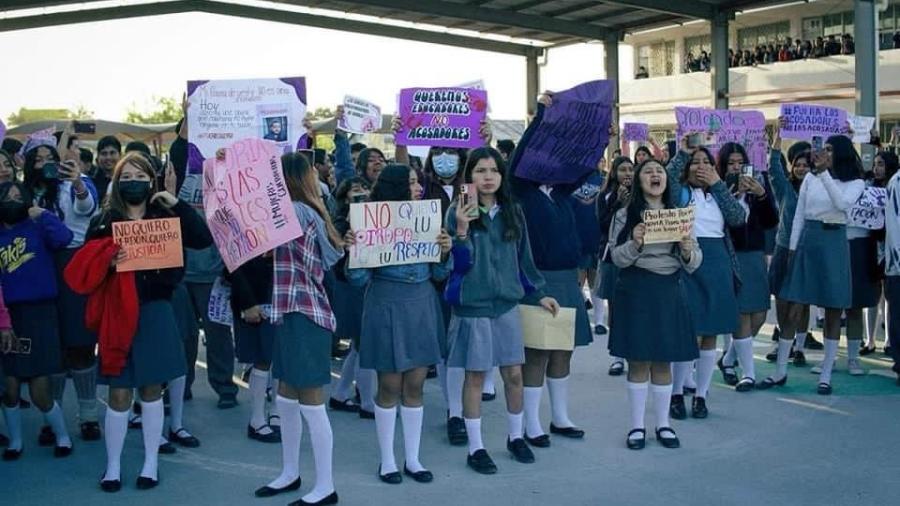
[542, 331]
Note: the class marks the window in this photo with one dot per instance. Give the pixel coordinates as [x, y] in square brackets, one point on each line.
[812, 28]
[887, 25]
[697, 45]
[775, 33]
[658, 58]
[835, 24]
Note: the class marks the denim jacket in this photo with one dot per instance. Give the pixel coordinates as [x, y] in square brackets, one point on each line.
[408, 273]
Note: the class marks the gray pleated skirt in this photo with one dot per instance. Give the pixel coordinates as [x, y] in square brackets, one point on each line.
[753, 296]
[778, 270]
[711, 292]
[157, 351]
[347, 305]
[403, 326]
[608, 275]
[563, 286]
[865, 285]
[302, 354]
[71, 307]
[480, 344]
[819, 273]
[253, 343]
[38, 322]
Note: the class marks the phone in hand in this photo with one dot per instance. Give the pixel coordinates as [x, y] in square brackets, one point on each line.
[50, 170]
[748, 170]
[84, 127]
[818, 143]
[467, 196]
[695, 140]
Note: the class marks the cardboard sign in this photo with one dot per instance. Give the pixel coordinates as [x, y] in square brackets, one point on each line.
[360, 116]
[542, 331]
[149, 244]
[721, 126]
[395, 233]
[667, 225]
[868, 212]
[246, 201]
[636, 132]
[567, 141]
[219, 308]
[803, 121]
[862, 128]
[476, 85]
[224, 111]
[448, 117]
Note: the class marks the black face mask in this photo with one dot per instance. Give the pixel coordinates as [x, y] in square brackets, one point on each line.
[12, 212]
[134, 192]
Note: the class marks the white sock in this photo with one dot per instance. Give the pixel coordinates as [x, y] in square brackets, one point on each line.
[473, 428]
[57, 422]
[176, 403]
[831, 349]
[488, 386]
[680, 371]
[730, 353]
[13, 419]
[115, 427]
[411, 418]
[85, 381]
[291, 433]
[514, 425]
[258, 382]
[871, 321]
[385, 420]
[744, 351]
[273, 408]
[456, 376]
[781, 363]
[442, 379]
[799, 341]
[559, 401]
[853, 348]
[599, 309]
[152, 414]
[323, 446]
[637, 400]
[706, 364]
[533, 411]
[662, 398]
[342, 391]
[367, 382]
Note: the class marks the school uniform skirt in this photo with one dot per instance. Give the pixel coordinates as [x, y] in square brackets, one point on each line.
[711, 292]
[482, 343]
[819, 273]
[38, 322]
[253, 343]
[652, 321]
[403, 326]
[347, 305]
[157, 350]
[609, 273]
[753, 296]
[778, 267]
[302, 352]
[865, 286]
[563, 286]
[71, 307]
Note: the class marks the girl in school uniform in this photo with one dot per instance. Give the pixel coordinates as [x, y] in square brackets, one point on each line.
[304, 323]
[402, 333]
[712, 289]
[819, 270]
[31, 351]
[493, 271]
[653, 326]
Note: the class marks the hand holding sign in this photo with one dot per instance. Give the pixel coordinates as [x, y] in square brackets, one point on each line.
[666, 225]
[148, 244]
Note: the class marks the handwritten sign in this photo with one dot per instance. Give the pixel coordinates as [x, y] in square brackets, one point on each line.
[804, 121]
[448, 117]
[862, 128]
[395, 233]
[566, 141]
[360, 116]
[868, 212]
[667, 225]
[246, 201]
[219, 307]
[721, 126]
[224, 111]
[636, 132]
[149, 244]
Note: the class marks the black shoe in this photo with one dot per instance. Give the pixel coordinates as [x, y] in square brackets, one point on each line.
[366, 415]
[569, 432]
[330, 499]
[634, 443]
[772, 356]
[46, 437]
[394, 478]
[167, 448]
[667, 442]
[542, 441]
[689, 390]
[184, 438]
[348, 405]
[90, 431]
[864, 350]
[824, 389]
[456, 431]
[770, 382]
[520, 451]
[272, 437]
[481, 462]
[676, 407]
[144, 483]
[616, 368]
[728, 374]
[799, 358]
[4, 441]
[268, 491]
[745, 385]
[62, 452]
[423, 476]
[600, 330]
[698, 408]
[227, 402]
[488, 397]
[811, 343]
[135, 421]
[110, 486]
[10, 454]
[432, 372]
[776, 334]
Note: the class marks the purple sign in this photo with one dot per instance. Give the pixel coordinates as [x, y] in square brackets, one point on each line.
[446, 117]
[721, 126]
[636, 132]
[2, 129]
[566, 141]
[805, 121]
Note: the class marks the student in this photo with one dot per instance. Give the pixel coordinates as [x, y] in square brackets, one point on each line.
[584, 204]
[819, 258]
[402, 333]
[29, 236]
[370, 163]
[109, 150]
[712, 289]
[892, 267]
[652, 326]
[304, 323]
[490, 241]
[8, 171]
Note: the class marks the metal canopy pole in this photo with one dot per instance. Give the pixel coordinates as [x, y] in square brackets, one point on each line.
[865, 35]
[611, 63]
[719, 59]
[532, 81]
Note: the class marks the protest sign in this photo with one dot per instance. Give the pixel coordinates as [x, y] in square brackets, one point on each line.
[149, 244]
[804, 121]
[246, 201]
[476, 85]
[636, 132]
[224, 111]
[862, 128]
[868, 212]
[360, 116]
[2, 130]
[566, 140]
[448, 117]
[667, 225]
[747, 128]
[395, 233]
[543, 331]
[219, 307]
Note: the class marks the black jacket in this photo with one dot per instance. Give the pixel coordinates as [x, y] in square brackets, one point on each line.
[763, 216]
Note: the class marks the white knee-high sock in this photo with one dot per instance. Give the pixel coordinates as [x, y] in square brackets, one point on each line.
[385, 421]
[342, 391]
[662, 399]
[85, 381]
[706, 364]
[367, 382]
[559, 401]
[831, 349]
[599, 310]
[456, 376]
[411, 418]
[871, 321]
[322, 446]
[57, 422]
[115, 427]
[731, 354]
[533, 411]
[514, 423]
[442, 379]
[152, 414]
[13, 419]
[853, 348]
[488, 386]
[744, 352]
[690, 381]
[176, 403]
[637, 401]
[799, 341]
[473, 428]
[680, 371]
[291, 433]
[258, 382]
[784, 353]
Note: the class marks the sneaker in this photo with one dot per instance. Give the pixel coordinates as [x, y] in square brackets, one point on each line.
[854, 368]
[456, 431]
[812, 344]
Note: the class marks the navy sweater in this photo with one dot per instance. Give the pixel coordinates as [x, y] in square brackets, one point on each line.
[584, 203]
[555, 242]
[27, 269]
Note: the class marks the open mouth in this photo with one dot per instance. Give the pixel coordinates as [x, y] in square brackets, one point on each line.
[655, 183]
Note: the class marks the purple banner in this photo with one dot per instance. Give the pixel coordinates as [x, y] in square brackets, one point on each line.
[636, 132]
[805, 121]
[2, 129]
[446, 117]
[747, 128]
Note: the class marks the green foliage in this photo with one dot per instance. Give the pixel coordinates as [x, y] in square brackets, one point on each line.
[166, 110]
[26, 115]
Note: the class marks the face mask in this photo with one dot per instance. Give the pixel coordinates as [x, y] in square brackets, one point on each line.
[445, 165]
[134, 192]
[12, 212]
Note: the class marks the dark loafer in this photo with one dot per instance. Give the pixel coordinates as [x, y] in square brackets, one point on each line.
[135, 421]
[90, 431]
[227, 402]
[184, 438]
[487, 397]
[46, 437]
[423, 476]
[770, 382]
[330, 499]
[62, 452]
[456, 431]
[635, 443]
[824, 389]
[366, 415]
[676, 407]
[542, 441]
[569, 432]
[268, 491]
[144, 483]
[600, 330]
[110, 486]
[520, 451]
[727, 372]
[698, 408]
[745, 385]
[481, 462]
[799, 358]
[272, 437]
[616, 368]
[10, 454]
[4, 441]
[668, 442]
[167, 448]
[347, 405]
[394, 478]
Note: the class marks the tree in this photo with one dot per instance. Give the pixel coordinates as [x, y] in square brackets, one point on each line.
[166, 110]
[320, 113]
[26, 115]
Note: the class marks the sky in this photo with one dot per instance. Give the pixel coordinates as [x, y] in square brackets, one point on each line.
[111, 66]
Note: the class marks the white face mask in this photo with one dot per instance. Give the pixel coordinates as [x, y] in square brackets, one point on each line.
[446, 165]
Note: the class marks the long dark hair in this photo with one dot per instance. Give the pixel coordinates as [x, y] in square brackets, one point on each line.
[305, 189]
[12, 163]
[687, 170]
[429, 163]
[114, 201]
[725, 153]
[845, 162]
[795, 181]
[362, 162]
[509, 210]
[50, 199]
[891, 164]
[644, 149]
[611, 185]
[6, 187]
[638, 204]
[392, 184]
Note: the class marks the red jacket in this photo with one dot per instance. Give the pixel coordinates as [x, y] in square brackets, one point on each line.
[112, 306]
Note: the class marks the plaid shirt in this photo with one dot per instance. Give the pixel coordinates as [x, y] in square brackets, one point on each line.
[300, 267]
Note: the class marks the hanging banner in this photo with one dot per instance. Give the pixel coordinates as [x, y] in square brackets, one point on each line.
[447, 117]
[721, 126]
[804, 121]
[360, 116]
[395, 233]
[149, 244]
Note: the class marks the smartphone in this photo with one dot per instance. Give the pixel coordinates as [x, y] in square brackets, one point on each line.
[748, 170]
[466, 196]
[732, 180]
[50, 170]
[84, 127]
[695, 140]
[818, 143]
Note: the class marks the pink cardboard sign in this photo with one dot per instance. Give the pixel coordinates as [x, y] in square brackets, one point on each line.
[447, 117]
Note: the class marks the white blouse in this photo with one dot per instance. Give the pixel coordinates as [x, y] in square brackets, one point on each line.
[822, 198]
